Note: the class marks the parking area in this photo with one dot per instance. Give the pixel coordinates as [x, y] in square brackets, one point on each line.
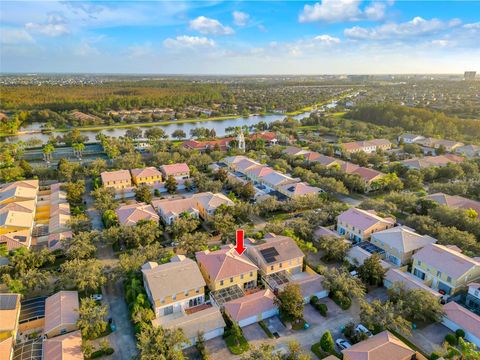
[254, 332]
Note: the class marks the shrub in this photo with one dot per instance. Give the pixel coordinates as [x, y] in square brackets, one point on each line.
[326, 342]
[460, 333]
[451, 339]
[109, 351]
[434, 356]
[322, 308]
[313, 300]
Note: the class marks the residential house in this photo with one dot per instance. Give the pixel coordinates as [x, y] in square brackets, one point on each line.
[357, 255]
[455, 202]
[448, 145]
[358, 225]
[61, 313]
[275, 181]
[369, 176]
[323, 160]
[18, 191]
[410, 138]
[220, 144]
[468, 151]
[174, 286]
[280, 261]
[432, 161]
[180, 172]
[296, 190]
[269, 137]
[458, 317]
[9, 316]
[295, 151]
[367, 146]
[445, 268]
[382, 346]
[57, 240]
[130, 215]
[400, 243]
[198, 205]
[64, 347]
[409, 281]
[176, 291]
[252, 308]
[148, 176]
[224, 268]
[118, 180]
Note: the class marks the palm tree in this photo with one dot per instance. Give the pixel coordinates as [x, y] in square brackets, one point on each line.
[48, 150]
[78, 149]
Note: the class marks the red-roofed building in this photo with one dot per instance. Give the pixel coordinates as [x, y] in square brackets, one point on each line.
[180, 171]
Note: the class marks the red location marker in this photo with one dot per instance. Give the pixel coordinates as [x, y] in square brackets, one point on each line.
[239, 245]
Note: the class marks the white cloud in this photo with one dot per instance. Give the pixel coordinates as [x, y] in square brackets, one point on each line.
[327, 39]
[11, 36]
[240, 18]
[343, 10]
[262, 28]
[207, 26]
[472, 26]
[188, 42]
[56, 25]
[441, 43]
[415, 27]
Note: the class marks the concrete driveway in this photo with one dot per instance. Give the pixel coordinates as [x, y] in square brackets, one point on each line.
[218, 349]
[254, 332]
[430, 337]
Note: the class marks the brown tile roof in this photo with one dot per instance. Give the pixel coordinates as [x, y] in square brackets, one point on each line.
[60, 309]
[132, 214]
[456, 202]
[250, 305]
[299, 189]
[119, 175]
[410, 281]
[64, 347]
[379, 347]
[224, 263]
[174, 169]
[285, 246]
[145, 172]
[363, 219]
[467, 320]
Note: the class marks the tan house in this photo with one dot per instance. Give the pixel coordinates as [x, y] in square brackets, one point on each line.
[118, 180]
[298, 189]
[224, 268]
[198, 205]
[130, 215]
[61, 313]
[175, 286]
[9, 316]
[432, 161]
[400, 243]
[367, 146]
[64, 347]
[408, 281]
[382, 346]
[180, 172]
[458, 317]
[149, 176]
[358, 225]
[445, 268]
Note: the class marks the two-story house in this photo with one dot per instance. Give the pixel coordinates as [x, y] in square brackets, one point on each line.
[400, 243]
[118, 180]
[445, 268]
[149, 176]
[131, 214]
[358, 225]
[367, 146]
[174, 286]
[224, 268]
[9, 316]
[180, 171]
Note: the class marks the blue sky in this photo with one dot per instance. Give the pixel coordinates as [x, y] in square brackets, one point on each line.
[253, 37]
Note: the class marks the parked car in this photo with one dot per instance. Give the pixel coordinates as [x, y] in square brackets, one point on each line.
[97, 297]
[342, 344]
[362, 329]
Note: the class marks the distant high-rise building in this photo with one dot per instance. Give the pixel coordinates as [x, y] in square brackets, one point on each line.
[469, 75]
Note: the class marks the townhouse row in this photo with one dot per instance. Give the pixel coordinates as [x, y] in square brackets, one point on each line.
[177, 290]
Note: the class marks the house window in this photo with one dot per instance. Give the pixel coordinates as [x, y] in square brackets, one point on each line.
[271, 267]
[186, 293]
[280, 265]
[174, 297]
[197, 290]
[251, 273]
[419, 262]
[439, 273]
[241, 276]
[449, 279]
[221, 282]
[231, 279]
[168, 310]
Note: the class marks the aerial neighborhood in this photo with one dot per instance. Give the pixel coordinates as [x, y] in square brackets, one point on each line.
[240, 218]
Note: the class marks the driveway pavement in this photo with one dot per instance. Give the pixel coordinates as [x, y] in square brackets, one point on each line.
[254, 332]
[430, 337]
[218, 349]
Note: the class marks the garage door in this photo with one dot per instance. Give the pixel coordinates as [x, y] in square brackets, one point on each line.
[253, 319]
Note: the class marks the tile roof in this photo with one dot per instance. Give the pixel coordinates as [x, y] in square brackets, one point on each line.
[429, 161]
[9, 311]
[325, 160]
[379, 347]
[64, 347]
[245, 164]
[211, 201]
[16, 239]
[177, 276]
[146, 172]
[360, 255]
[250, 305]
[292, 150]
[285, 246]
[132, 214]
[456, 202]
[467, 320]
[276, 178]
[224, 263]
[119, 175]
[301, 188]
[60, 309]
[363, 219]
[259, 171]
[16, 219]
[403, 239]
[355, 145]
[268, 136]
[410, 281]
[323, 231]
[366, 173]
[21, 206]
[174, 169]
[446, 260]
[201, 321]
[175, 206]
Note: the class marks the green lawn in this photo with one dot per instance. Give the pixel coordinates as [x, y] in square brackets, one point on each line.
[236, 347]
